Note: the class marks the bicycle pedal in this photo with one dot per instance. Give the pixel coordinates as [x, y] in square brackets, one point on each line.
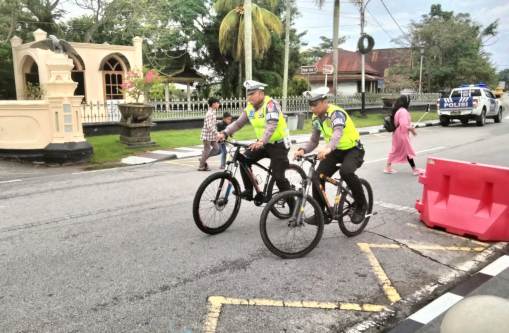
[372, 214]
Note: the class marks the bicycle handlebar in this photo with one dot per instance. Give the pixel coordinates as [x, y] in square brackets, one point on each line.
[237, 144]
[310, 157]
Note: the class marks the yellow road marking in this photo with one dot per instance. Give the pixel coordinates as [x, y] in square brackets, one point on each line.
[427, 247]
[389, 290]
[216, 303]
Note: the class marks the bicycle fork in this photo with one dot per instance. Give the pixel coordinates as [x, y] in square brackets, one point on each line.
[300, 205]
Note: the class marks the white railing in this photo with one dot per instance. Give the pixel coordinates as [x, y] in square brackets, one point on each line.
[196, 109]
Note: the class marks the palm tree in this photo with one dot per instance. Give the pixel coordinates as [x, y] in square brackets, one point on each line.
[287, 51]
[335, 35]
[232, 36]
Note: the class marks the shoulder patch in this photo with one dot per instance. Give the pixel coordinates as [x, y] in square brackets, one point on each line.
[338, 118]
[316, 124]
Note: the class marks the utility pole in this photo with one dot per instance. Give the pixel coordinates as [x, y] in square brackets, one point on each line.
[420, 71]
[335, 53]
[248, 39]
[363, 60]
[287, 52]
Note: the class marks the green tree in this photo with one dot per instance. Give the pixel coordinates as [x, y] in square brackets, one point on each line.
[504, 75]
[453, 49]
[231, 31]
[268, 69]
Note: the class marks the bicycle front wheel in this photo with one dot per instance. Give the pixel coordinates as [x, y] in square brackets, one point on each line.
[296, 176]
[346, 208]
[215, 207]
[296, 235]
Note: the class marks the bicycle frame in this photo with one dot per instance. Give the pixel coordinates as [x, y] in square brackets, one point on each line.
[234, 164]
[312, 181]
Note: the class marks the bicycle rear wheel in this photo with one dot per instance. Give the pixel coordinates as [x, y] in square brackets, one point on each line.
[214, 205]
[292, 237]
[296, 176]
[346, 208]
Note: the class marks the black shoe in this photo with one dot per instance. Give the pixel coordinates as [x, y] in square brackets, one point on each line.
[359, 214]
[312, 220]
[246, 195]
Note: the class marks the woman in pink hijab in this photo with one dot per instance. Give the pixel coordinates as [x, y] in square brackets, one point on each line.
[402, 151]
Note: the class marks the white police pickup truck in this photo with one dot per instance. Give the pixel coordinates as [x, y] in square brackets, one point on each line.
[469, 102]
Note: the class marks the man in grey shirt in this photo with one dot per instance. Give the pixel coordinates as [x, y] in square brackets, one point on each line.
[267, 119]
[342, 146]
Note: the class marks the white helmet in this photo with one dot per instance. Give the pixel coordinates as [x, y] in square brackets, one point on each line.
[316, 94]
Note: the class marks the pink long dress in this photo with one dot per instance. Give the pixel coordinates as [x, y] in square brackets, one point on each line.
[401, 147]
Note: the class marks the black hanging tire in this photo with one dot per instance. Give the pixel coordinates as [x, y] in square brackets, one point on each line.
[345, 209]
[270, 227]
[218, 199]
[280, 211]
[365, 49]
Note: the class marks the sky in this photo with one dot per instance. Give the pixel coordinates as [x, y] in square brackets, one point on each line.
[318, 22]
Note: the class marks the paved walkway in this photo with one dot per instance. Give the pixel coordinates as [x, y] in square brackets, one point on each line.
[194, 151]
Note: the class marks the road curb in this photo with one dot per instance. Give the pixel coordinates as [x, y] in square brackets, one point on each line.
[186, 152]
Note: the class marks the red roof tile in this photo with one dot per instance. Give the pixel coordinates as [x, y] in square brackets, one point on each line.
[376, 61]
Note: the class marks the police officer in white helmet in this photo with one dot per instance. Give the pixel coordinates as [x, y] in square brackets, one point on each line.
[267, 119]
[342, 146]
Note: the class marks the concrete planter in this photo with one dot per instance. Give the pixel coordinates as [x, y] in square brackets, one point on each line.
[135, 124]
[388, 102]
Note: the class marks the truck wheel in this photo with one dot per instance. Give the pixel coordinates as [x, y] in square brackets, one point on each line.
[481, 120]
[444, 121]
[498, 118]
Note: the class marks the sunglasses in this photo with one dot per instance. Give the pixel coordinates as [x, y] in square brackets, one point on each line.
[314, 103]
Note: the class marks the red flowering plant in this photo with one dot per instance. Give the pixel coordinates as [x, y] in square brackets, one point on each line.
[148, 84]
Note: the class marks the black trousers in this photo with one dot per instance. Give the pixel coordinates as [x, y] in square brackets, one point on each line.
[350, 160]
[278, 155]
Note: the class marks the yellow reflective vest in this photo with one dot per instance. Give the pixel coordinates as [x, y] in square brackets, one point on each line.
[258, 119]
[350, 134]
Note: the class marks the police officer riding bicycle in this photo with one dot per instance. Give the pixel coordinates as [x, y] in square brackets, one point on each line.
[342, 146]
[267, 119]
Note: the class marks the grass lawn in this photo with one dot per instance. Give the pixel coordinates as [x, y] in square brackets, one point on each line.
[108, 149]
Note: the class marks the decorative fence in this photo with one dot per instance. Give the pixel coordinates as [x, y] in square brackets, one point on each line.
[196, 109]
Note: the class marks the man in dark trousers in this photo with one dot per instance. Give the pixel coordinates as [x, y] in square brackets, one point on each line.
[342, 146]
[272, 135]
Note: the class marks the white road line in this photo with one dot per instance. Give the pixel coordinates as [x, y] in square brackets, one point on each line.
[497, 266]
[396, 207]
[11, 181]
[435, 308]
[418, 152]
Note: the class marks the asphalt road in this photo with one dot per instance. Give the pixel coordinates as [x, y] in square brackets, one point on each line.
[117, 251]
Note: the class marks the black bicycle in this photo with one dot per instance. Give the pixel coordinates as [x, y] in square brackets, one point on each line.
[298, 234]
[217, 200]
